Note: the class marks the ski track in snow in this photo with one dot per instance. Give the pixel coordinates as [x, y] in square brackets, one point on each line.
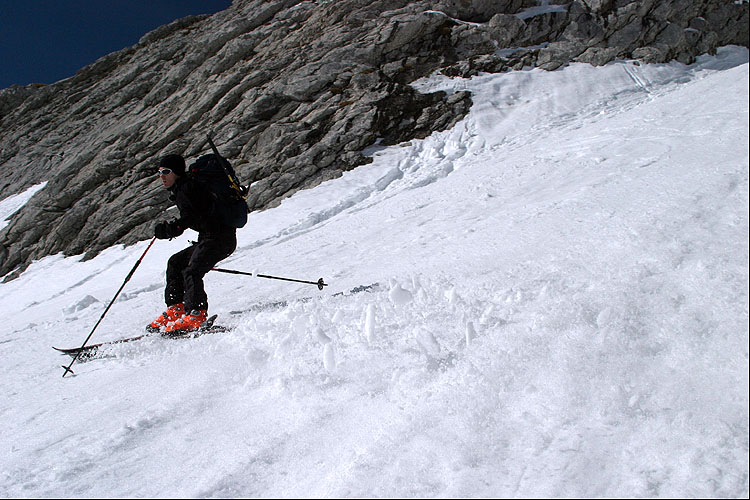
[436, 157]
[558, 307]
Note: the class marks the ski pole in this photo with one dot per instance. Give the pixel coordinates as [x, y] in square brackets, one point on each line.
[130, 275]
[231, 271]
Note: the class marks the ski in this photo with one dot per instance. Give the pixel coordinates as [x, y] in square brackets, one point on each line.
[96, 351]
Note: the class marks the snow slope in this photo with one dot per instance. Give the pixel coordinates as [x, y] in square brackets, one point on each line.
[13, 203]
[549, 299]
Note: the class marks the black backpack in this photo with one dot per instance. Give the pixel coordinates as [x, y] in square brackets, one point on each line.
[218, 176]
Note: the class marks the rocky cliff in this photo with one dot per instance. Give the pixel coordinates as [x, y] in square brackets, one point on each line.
[294, 91]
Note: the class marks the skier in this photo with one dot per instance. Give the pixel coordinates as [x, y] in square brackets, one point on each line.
[187, 303]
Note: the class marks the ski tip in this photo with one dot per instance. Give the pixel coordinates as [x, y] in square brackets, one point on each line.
[71, 352]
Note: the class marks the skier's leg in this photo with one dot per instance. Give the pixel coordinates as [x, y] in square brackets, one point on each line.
[208, 252]
[175, 289]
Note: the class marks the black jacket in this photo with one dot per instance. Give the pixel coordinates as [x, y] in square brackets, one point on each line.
[196, 207]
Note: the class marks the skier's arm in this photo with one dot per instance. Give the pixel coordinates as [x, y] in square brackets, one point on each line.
[192, 205]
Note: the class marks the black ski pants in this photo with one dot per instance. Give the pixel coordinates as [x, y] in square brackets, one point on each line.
[186, 269]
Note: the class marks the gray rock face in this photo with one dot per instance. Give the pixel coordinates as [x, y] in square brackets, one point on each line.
[294, 90]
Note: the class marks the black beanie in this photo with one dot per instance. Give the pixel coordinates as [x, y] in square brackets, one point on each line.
[175, 163]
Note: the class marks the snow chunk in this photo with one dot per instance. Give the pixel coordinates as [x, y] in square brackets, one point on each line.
[82, 304]
[399, 295]
[370, 323]
[471, 333]
[321, 336]
[329, 357]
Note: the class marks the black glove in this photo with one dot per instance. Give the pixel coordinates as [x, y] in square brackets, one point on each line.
[167, 230]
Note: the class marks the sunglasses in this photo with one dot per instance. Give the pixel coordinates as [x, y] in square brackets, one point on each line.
[164, 171]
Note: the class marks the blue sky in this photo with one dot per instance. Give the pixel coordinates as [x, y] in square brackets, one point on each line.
[44, 41]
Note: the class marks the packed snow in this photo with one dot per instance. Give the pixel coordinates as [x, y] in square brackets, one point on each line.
[548, 300]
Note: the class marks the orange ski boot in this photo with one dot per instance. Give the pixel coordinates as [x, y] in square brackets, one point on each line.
[172, 314]
[188, 323]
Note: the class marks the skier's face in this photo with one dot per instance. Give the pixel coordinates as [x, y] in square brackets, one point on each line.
[167, 177]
